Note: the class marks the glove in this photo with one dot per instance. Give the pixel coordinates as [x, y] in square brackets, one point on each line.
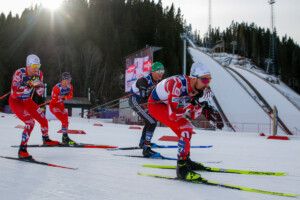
[34, 82]
[215, 117]
[196, 111]
[67, 97]
[220, 125]
[207, 95]
[179, 113]
[59, 100]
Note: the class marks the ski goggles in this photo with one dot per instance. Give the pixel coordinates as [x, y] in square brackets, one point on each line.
[35, 66]
[161, 71]
[68, 79]
[205, 80]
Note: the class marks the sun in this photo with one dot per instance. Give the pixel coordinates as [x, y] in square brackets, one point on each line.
[52, 4]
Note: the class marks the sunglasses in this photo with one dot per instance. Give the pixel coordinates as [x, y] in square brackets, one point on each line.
[35, 66]
[205, 80]
[68, 79]
[161, 71]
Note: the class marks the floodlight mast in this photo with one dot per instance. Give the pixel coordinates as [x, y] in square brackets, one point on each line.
[272, 44]
[271, 2]
[209, 17]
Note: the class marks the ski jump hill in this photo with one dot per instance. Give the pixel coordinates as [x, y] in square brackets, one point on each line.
[246, 99]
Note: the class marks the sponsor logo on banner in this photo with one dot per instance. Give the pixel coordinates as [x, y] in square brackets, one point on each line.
[147, 66]
[131, 68]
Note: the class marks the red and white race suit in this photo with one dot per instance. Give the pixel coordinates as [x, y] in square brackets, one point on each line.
[164, 105]
[59, 94]
[23, 106]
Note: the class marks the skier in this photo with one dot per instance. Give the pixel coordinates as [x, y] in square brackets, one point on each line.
[164, 105]
[60, 92]
[141, 90]
[26, 80]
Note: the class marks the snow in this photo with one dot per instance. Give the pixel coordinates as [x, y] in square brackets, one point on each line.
[101, 175]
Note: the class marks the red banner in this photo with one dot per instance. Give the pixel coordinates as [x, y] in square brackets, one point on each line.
[131, 68]
[147, 66]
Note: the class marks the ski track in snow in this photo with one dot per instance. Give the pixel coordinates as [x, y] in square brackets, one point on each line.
[100, 175]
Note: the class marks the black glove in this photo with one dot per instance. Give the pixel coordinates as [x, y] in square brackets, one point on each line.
[194, 102]
[215, 117]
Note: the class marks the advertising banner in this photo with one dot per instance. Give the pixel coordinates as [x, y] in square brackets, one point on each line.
[138, 64]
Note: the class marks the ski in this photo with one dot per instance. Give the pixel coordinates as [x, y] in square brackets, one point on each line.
[78, 145]
[222, 170]
[159, 157]
[37, 162]
[158, 146]
[207, 182]
[137, 156]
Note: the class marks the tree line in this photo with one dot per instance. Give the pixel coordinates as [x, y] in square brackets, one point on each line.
[90, 39]
[254, 42]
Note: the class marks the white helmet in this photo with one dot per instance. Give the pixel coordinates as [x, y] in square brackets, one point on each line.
[32, 60]
[198, 69]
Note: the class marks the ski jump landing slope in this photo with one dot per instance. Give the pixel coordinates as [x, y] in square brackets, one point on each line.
[241, 110]
[287, 111]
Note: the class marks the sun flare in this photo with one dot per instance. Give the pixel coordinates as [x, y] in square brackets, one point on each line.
[52, 4]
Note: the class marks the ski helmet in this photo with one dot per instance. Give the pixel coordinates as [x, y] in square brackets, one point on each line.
[32, 60]
[198, 69]
[157, 66]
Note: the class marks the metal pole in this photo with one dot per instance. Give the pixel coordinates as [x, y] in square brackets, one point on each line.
[45, 92]
[184, 56]
[183, 36]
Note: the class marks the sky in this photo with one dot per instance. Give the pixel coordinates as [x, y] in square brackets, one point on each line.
[286, 14]
[223, 12]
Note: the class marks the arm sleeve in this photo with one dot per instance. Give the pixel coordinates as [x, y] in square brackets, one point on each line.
[174, 90]
[71, 93]
[55, 95]
[17, 87]
[142, 85]
[40, 90]
[196, 111]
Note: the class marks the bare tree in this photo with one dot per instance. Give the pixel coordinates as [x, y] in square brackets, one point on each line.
[91, 57]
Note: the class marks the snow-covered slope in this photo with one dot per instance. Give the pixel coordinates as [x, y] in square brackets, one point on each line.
[288, 112]
[239, 105]
[101, 175]
[241, 110]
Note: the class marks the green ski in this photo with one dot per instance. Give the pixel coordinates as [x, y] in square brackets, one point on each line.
[221, 170]
[206, 182]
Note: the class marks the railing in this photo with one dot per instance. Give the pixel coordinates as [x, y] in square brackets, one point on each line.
[296, 130]
[239, 127]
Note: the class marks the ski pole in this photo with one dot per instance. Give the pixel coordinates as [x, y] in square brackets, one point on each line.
[44, 103]
[32, 92]
[116, 109]
[113, 101]
[117, 99]
[4, 95]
